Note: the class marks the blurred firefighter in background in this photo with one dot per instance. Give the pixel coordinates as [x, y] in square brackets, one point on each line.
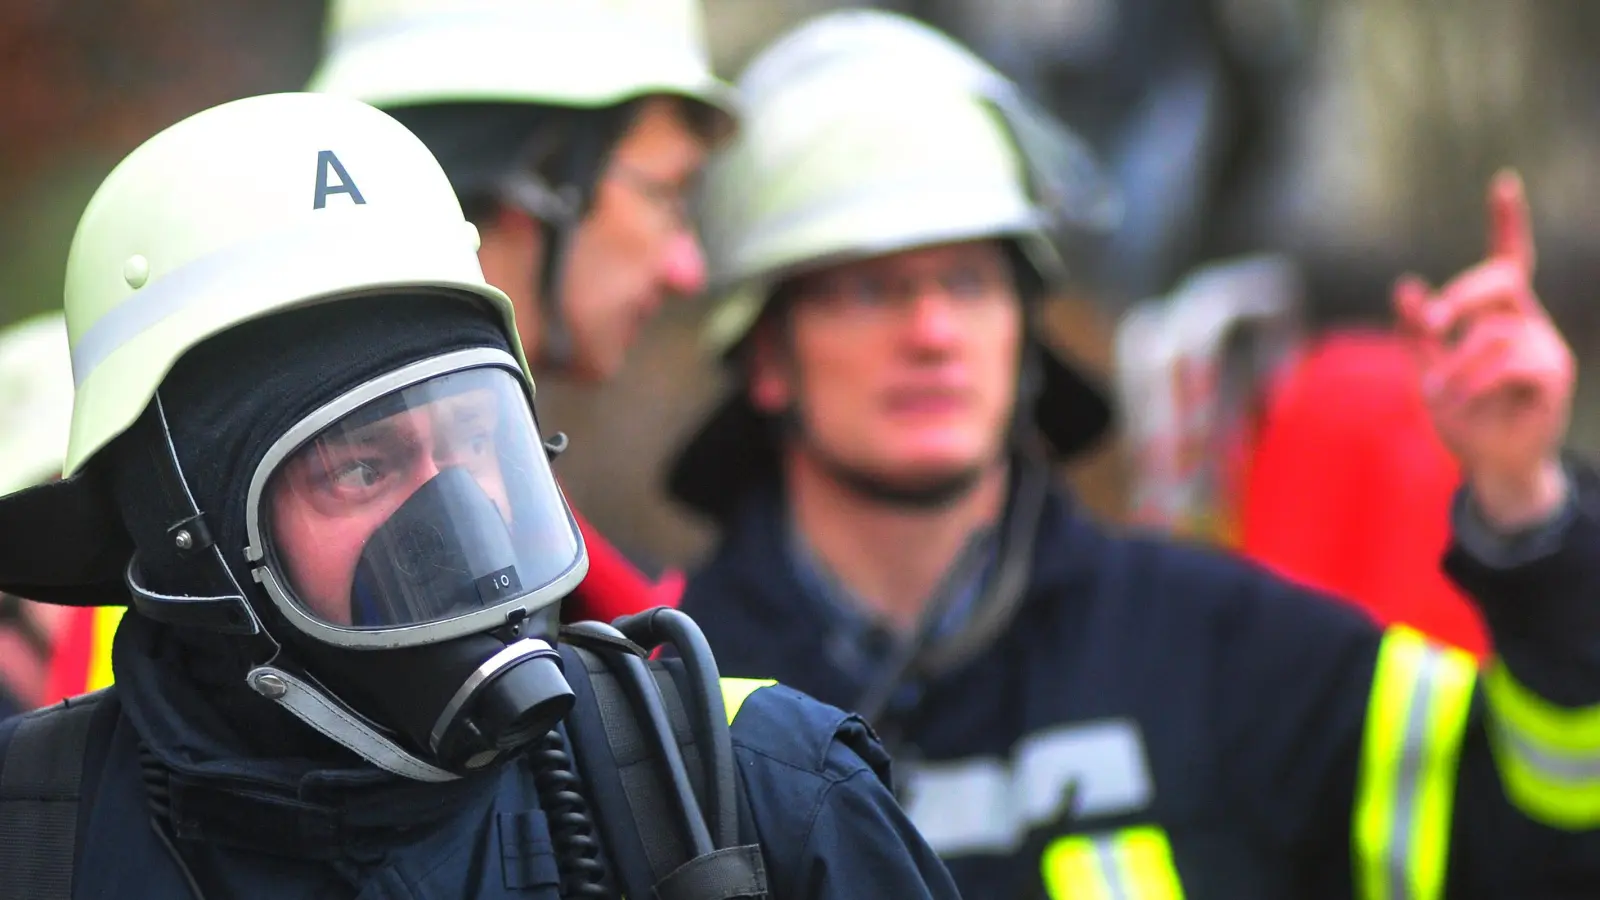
[573, 133]
[1075, 711]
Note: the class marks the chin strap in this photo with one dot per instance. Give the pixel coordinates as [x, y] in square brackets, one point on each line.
[922, 656]
[218, 604]
[340, 725]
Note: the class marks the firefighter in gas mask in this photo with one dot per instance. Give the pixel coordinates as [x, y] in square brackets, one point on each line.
[304, 445]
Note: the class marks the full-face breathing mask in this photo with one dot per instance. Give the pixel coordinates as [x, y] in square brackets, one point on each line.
[413, 536]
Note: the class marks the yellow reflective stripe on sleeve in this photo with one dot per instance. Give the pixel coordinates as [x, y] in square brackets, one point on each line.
[106, 619]
[1132, 864]
[1548, 756]
[1416, 718]
[737, 690]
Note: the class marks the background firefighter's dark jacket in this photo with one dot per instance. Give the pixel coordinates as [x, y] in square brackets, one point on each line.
[1219, 727]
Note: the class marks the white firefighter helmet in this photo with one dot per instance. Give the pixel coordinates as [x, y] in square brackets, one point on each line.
[838, 168]
[35, 400]
[1062, 168]
[270, 202]
[579, 53]
[867, 132]
[1059, 160]
[849, 37]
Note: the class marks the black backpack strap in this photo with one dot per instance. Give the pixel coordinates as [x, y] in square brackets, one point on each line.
[41, 775]
[627, 783]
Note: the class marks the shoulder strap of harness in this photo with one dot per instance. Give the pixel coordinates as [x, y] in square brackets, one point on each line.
[41, 776]
[627, 779]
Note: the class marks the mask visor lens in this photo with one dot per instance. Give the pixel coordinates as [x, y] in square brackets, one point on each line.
[423, 505]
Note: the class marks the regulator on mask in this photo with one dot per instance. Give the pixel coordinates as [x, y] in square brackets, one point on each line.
[412, 535]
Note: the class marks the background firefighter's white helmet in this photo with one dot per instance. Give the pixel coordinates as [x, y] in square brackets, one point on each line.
[579, 53]
[864, 133]
[35, 401]
[1062, 168]
[239, 212]
[866, 36]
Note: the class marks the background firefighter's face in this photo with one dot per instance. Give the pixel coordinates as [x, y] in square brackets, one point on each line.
[636, 249]
[902, 367]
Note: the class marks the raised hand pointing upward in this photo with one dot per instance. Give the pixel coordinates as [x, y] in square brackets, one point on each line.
[1497, 375]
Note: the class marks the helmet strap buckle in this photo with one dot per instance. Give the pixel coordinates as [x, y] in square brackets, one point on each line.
[220, 605]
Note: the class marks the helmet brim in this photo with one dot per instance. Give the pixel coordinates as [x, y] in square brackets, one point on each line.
[65, 544]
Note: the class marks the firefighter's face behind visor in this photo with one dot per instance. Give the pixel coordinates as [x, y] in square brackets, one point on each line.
[412, 514]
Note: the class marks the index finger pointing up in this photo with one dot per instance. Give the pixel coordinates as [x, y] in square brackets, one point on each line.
[1510, 226]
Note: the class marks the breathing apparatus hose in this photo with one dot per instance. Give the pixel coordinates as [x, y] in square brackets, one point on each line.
[572, 828]
[654, 627]
[642, 689]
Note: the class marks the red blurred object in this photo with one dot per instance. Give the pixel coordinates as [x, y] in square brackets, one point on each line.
[81, 659]
[1348, 488]
[615, 586]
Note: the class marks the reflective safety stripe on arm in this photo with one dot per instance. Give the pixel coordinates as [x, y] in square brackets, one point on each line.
[1416, 720]
[1131, 864]
[1548, 755]
[737, 690]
